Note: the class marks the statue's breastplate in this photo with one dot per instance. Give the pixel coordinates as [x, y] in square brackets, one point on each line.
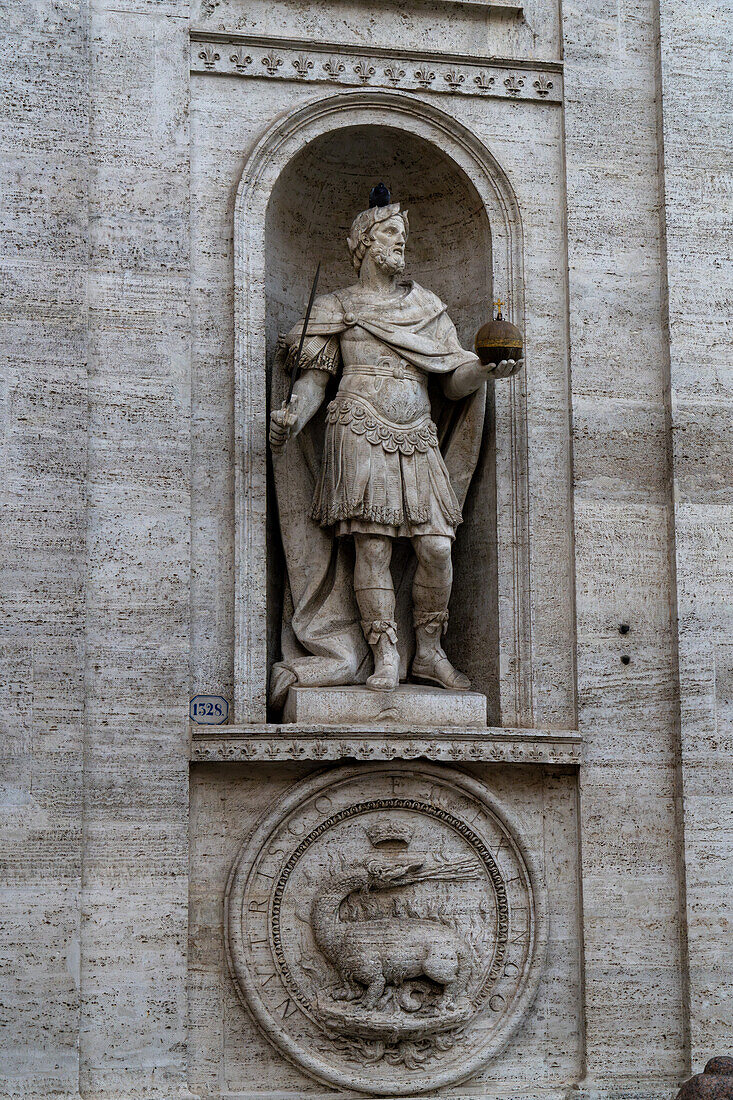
[391, 385]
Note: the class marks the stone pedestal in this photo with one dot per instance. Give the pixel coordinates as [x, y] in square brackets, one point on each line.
[410, 705]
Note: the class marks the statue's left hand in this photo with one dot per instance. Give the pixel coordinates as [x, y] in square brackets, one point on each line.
[505, 369]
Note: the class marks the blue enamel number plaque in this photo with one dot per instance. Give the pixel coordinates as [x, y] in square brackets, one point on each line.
[208, 710]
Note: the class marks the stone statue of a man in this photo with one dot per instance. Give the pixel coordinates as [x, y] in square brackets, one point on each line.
[382, 475]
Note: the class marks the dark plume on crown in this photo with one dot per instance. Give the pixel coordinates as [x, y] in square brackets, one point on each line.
[379, 196]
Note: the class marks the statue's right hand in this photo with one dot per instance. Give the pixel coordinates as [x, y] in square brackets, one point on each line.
[282, 422]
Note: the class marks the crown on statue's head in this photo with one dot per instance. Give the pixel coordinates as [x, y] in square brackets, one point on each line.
[389, 834]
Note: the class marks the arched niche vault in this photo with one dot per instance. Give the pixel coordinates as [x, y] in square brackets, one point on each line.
[304, 181]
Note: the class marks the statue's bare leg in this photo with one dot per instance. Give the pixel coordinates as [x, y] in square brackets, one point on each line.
[375, 596]
[430, 594]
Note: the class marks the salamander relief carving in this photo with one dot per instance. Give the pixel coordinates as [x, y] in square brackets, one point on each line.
[385, 916]
[415, 966]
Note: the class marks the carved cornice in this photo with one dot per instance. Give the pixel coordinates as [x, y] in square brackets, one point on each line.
[499, 9]
[293, 742]
[218, 53]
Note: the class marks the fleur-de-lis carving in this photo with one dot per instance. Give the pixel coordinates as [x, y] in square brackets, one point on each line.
[543, 85]
[483, 82]
[334, 69]
[272, 62]
[513, 85]
[240, 59]
[209, 56]
[301, 65]
[364, 71]
[454, 79]
[424, 76]
[394, 74]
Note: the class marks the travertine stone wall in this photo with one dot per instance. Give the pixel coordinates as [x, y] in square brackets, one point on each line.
[120, 170]
[478, 28]
[623, 550]
[44, 232]
[133, 952]
[696, 107]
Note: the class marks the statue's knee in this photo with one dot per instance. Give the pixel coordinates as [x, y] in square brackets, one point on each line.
[374, 552]
[434, 553]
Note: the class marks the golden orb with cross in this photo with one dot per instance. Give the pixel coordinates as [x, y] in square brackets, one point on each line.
[499, 339]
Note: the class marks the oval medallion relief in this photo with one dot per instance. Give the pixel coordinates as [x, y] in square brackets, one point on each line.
[386, 927]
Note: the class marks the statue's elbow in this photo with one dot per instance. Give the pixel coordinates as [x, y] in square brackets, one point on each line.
[451, 389]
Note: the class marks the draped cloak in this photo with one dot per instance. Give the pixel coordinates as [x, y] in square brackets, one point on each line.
[321, 637]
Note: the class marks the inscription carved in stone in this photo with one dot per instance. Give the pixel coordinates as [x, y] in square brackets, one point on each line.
[387, 918]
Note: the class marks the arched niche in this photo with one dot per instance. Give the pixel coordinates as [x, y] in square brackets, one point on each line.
[449, 251]
[301, 186]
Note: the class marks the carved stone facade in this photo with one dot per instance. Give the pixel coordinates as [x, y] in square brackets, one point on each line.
[386, 927]
[382, 941]
[521, 890]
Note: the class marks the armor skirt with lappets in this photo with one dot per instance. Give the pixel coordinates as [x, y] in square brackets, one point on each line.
[379, 478]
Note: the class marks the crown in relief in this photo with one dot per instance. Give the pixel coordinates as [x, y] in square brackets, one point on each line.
[389, 834]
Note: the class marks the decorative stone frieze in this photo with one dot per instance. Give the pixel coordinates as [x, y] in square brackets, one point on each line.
[222, 54]
[499, 8]
[448, 744]
[386, 927]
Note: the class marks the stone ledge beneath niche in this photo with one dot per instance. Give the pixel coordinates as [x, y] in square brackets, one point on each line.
[289, 741]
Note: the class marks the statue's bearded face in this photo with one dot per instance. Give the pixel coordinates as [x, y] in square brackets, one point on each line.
[387, 247]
